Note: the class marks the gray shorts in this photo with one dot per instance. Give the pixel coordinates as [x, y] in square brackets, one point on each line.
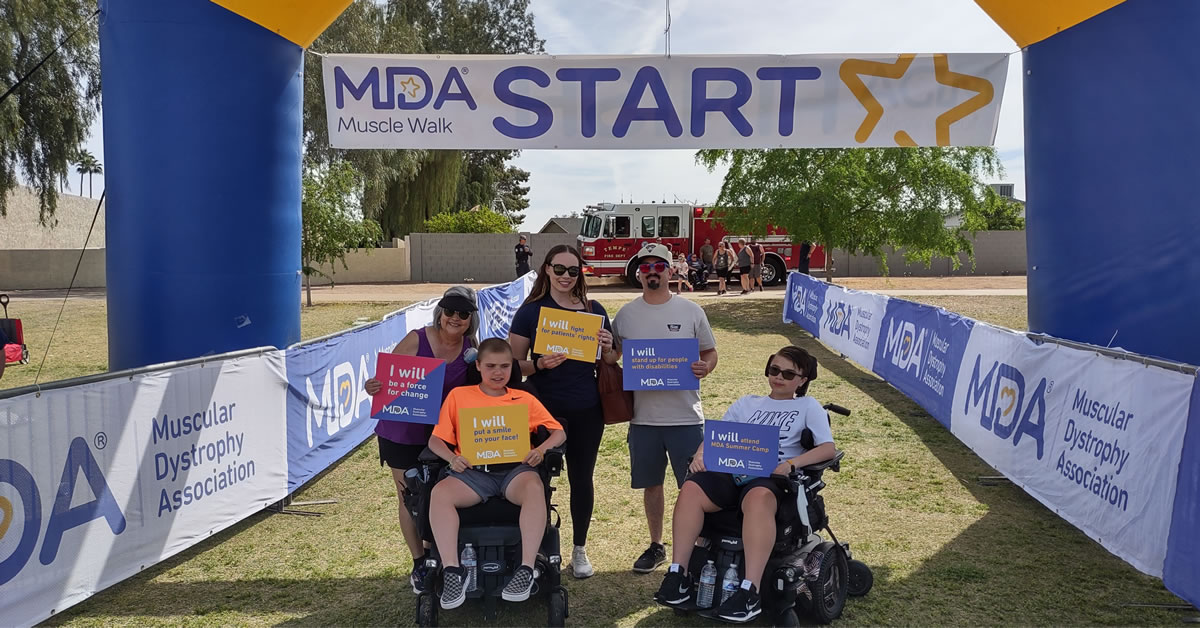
[756, 271]
[488, 484]
[651, 445]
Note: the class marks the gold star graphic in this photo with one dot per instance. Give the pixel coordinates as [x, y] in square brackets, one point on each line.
[410, 87]
[852, 71]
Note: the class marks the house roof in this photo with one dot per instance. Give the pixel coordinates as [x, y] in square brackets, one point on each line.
[568, 225]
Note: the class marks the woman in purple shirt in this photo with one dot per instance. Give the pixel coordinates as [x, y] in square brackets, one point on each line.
[455, 321]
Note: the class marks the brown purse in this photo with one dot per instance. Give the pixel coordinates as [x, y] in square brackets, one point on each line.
[615, 401]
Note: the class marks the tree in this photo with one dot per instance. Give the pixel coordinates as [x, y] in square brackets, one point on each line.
[475, 221]
[47, 116]
[87, 165]
[511, 196]
[859, 199]
[332, 223]
[997, 214]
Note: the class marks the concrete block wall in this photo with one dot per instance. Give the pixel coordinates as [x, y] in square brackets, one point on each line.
[382, 265]
[481, 257]
[996, 253]
[67, 229]
[44, 269]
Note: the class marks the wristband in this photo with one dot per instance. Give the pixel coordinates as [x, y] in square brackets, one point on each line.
[536, 368]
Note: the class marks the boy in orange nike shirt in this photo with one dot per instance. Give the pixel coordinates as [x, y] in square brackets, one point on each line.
[466, 486]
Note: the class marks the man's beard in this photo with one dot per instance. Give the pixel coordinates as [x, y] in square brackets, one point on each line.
[653, 282]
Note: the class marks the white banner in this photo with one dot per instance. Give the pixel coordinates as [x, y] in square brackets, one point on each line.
[101, 480]
[850, 322]
[1096, 439]
[631, 102]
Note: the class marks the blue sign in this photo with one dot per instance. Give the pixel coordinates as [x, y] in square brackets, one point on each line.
[919, 352]
[741, 448]
[664, 364]
[328, 409]
[805, 302]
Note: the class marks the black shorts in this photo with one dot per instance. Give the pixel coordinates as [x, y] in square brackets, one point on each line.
[744, 270]
[398, 455]
[722, 491]
[724, 273]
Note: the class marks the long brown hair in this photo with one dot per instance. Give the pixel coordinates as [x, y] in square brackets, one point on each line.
[541, 285]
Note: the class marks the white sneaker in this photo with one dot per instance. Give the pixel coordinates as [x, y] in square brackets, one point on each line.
[580, 565]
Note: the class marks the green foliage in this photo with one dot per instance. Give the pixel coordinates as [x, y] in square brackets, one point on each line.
[87, 164]
[861, 199]
[332, 225]
[478, 221]
[47, 117]
[997, 213]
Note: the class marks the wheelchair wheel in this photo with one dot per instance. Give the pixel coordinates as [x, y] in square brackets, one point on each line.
[829, 589]
[861, 579]
[427, 609]
[558, 609]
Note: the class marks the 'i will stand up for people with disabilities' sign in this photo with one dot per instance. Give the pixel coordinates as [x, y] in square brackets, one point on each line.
[741, 448]
[572, 333]
[493, 435]
[664, 364]
[412, 388]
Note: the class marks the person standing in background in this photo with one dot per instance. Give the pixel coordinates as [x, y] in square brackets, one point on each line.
[758, 255]
[706, 255]
[523, 253]
[743, 262]
[805, 257]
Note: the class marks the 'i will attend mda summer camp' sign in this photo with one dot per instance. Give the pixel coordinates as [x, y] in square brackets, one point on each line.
[741, 448]
[412, 388]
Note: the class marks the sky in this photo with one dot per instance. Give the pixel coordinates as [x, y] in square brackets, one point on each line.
[564, 181]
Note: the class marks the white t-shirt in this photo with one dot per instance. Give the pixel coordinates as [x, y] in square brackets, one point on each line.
[677, 318]
[791, 415]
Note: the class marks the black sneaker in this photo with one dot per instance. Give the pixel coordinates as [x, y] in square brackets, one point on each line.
[654, 556]
[676, 589]
[417, 577]
[454, 590]
[519, 586]
[743, 606]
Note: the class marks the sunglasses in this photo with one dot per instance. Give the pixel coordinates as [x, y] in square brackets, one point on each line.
[465, 316]
[657, 267]
[560, 270]
[787, 375]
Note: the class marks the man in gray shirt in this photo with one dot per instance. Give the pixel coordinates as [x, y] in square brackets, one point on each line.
[666, 423]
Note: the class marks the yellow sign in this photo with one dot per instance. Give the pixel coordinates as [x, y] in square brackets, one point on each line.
[494, 435]
[572, 333]
[1031, 21]
[298, 21]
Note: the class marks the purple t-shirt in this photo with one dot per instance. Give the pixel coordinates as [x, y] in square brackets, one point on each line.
[456, 375]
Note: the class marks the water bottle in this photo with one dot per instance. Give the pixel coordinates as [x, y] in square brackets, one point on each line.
[469, 567]
[730, 583]
[708, 585]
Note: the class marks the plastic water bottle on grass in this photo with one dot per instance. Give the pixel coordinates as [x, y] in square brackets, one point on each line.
[708, 586]
[469, 565]
[730, 583]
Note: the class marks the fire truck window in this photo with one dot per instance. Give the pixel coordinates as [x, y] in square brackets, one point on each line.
[668, 226]
[622, 227]
[647, 226]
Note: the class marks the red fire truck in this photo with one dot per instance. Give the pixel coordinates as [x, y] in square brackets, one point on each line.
[613, 233]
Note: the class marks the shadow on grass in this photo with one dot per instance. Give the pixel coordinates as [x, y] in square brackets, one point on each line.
[1017, 562]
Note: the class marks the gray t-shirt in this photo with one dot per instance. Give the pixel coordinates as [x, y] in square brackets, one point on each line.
[677, 318]
[744, 256]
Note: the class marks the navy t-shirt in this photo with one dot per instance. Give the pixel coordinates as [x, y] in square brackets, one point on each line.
[571, 384]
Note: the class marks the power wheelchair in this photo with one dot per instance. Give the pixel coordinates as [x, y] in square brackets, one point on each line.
[804, 570]
[491, 527]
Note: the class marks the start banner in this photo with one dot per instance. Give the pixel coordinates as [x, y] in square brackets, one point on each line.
[682, 101]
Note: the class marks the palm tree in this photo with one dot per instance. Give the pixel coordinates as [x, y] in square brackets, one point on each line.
[89, 165]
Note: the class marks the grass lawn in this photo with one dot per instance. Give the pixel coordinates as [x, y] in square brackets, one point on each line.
[944, 548]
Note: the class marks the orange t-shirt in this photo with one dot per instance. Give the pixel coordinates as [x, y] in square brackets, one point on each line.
[474, 397]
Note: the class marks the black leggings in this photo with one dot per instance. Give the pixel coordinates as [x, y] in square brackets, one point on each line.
[585, 428]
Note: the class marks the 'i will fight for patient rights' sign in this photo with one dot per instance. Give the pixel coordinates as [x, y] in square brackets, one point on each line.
[741, 448]
[412, 388]
[664, 364]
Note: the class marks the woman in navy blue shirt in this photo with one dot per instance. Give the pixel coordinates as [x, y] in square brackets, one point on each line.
[566, 387]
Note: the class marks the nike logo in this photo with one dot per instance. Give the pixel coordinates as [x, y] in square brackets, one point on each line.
[683, 588]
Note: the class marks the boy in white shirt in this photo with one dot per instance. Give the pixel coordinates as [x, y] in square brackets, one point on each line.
[788, 372]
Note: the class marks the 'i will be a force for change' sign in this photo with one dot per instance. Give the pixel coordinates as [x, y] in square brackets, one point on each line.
[662, 364]
[493, 435]
[412, 388]
[741, 448]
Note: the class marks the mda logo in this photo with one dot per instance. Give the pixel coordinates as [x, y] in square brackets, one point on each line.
[1004, 408]
[837, 318]
[401, 87]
